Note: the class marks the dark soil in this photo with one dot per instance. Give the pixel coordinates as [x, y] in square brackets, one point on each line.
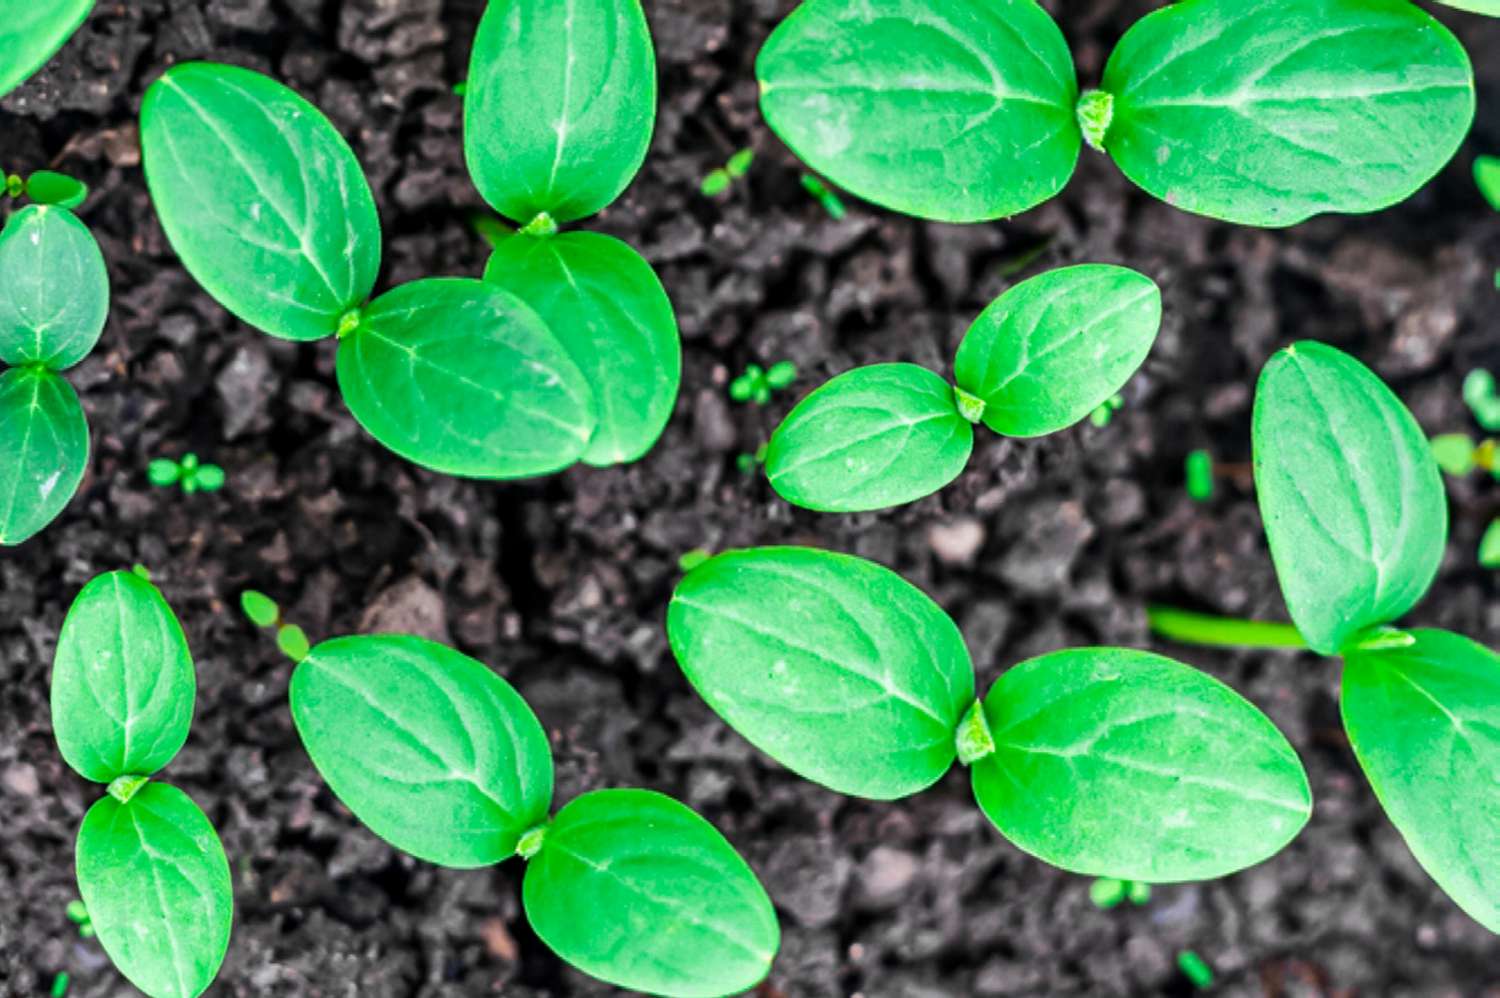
[561, 584]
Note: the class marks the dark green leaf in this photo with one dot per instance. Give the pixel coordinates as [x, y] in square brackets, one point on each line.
[872, 437]
[1423, 725]
[608, 309]
[56, 289]
[1121, 763]
[945, 109]
[49, 187]
[1350, 494]
[30, 33]
[45, 440]
[261, 197]
[640, 891]
[462, 377]
[836, 667]
[156, 883]
[1267, 115]
[429, 748]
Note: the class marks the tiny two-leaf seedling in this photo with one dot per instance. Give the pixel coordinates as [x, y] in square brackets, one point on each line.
[153, 875]
[720, 179]
[31, 33]
[265, 613]
[1102, 761]
[1260, 114]
[444, 760]
[757, 383]
[1041, 357]
[188, 474]
[1483, 401]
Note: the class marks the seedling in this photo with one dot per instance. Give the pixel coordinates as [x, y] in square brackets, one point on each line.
[1489, 546]
[1487, 179]
[188, 474]
[825, 197]
[1195, 969]
[1102, 761]
[78, 914]
[1109, 892]
[1232, 110]
[264, 612]
[442, 758]
[750, 463]
[47, 187]
[721, 179]
[60, 984]
[1198, 475]
[32, 33]
[153, 875]
[1040, 358]
[54, 298]
[1354, 510]
[1480, 396]
[757, 383]
[1106, 410]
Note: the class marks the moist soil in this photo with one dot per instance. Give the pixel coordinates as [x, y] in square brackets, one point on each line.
[561, 584]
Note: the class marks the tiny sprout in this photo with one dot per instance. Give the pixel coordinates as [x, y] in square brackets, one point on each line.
[60, 984]
[748, 463]
[721, 179]
[15, 186]
[1454, 453]
[1489, 546]
[188, 473]
[690, 560]
[1487, 178]
[1108, 892]
[756, 384]
[825, 197]
[141, 571]
[461, 88]
[1195, 969]
[1479, 394]
[78, 914]
[1199, 475]
[1106, 411]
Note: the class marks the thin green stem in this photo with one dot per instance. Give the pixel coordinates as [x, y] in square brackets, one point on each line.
[1207, 629]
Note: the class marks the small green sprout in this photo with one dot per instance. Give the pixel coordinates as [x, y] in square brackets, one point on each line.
[292, 641]
[1109, 892]
[757, 383]
[461, 88]
[1480, 396]
[1489, 546]
[264, 612]
[78, 913]
[1195, 969]
[32, 34]
[721, 179]
[1487, 179]
[189, 474]
[1198, 475]
[60, 984]
[825, 197]
[748, 464]
[1106, 410]
[48, 187]
[690, 560]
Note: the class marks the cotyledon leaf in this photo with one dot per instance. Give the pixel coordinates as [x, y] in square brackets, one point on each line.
[1488, 7]
[156, 883]
[261, 197]
[638, 890]
[559, 105]
[1121, 763]
[1054, 348]
[55, 289]
[836, 667]
[31, 33]
[45, 440]
[429, 748]
[1350, 494]
[872, 437]
[1267, 114]
[955, 110]
[462, 377]
[122, 680]
[606, 306]
[1423, 725]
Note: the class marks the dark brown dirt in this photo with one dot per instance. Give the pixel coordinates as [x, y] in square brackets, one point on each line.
[561, 584]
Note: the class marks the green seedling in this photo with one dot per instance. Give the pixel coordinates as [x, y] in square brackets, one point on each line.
[1106, 410]
[690, 560]
[1487, 179]
[1198, 475]
[78, 914]
[1489, 546]
[757, 383]
[1236, 111]
[825, 197]
[748, 464]
[60, 984]
[264, 612]
[444, 760]
[47, 187]
[31, 33]
[1353, 505]
[1040, 358]
[153, 875]
[188, 474]
[1195, 969]
[1480, 396]
[721, 179]
[1102, 761]
[567, 352]
[1110, 892]
[54, 299]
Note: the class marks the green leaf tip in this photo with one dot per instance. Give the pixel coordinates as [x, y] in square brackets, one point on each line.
[542, 225]
[1381, 639]
[1095, 112]
[349, 322]
[973, 739]
[123, 788]
[970, 406]
[530, 842]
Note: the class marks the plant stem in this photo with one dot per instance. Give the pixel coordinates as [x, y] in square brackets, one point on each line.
[1207, 629]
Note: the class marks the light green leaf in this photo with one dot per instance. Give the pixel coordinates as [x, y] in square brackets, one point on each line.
[608, 309]
[954, 110]
[872, 437]
[429, 748]
[1350, 494]
[45, 440]
[1423, 725]
[155, 880]
[1490, 8]
[836, 667]
[56, 289]
[1487, 175]
[122, 681]
[462, 377]
[31, 33]
[1268, 115]
[261, 197]
[1120, 763]
[1054, 348]
[560, 104]
[639, 891]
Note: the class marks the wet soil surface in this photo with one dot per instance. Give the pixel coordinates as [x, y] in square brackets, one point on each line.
[561, 584]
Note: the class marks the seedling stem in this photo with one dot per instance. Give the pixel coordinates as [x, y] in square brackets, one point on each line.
[1207, 629]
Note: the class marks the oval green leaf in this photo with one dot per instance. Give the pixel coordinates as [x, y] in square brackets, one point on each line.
[429, 748]
[1351, 496]
[610, 312]
[122, 680]
[954, 110]
[261, 198]
[1422, 723]
[56, 289]
[45, 440]
[50, 187]
[1490, 8]
[31, 33]
[671, 909]
[872, 437]
[155, 880]
[1268, 116]
[462, 377]
[1054, 348]
[834, 666]
[1120, 763]
[559, 106]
